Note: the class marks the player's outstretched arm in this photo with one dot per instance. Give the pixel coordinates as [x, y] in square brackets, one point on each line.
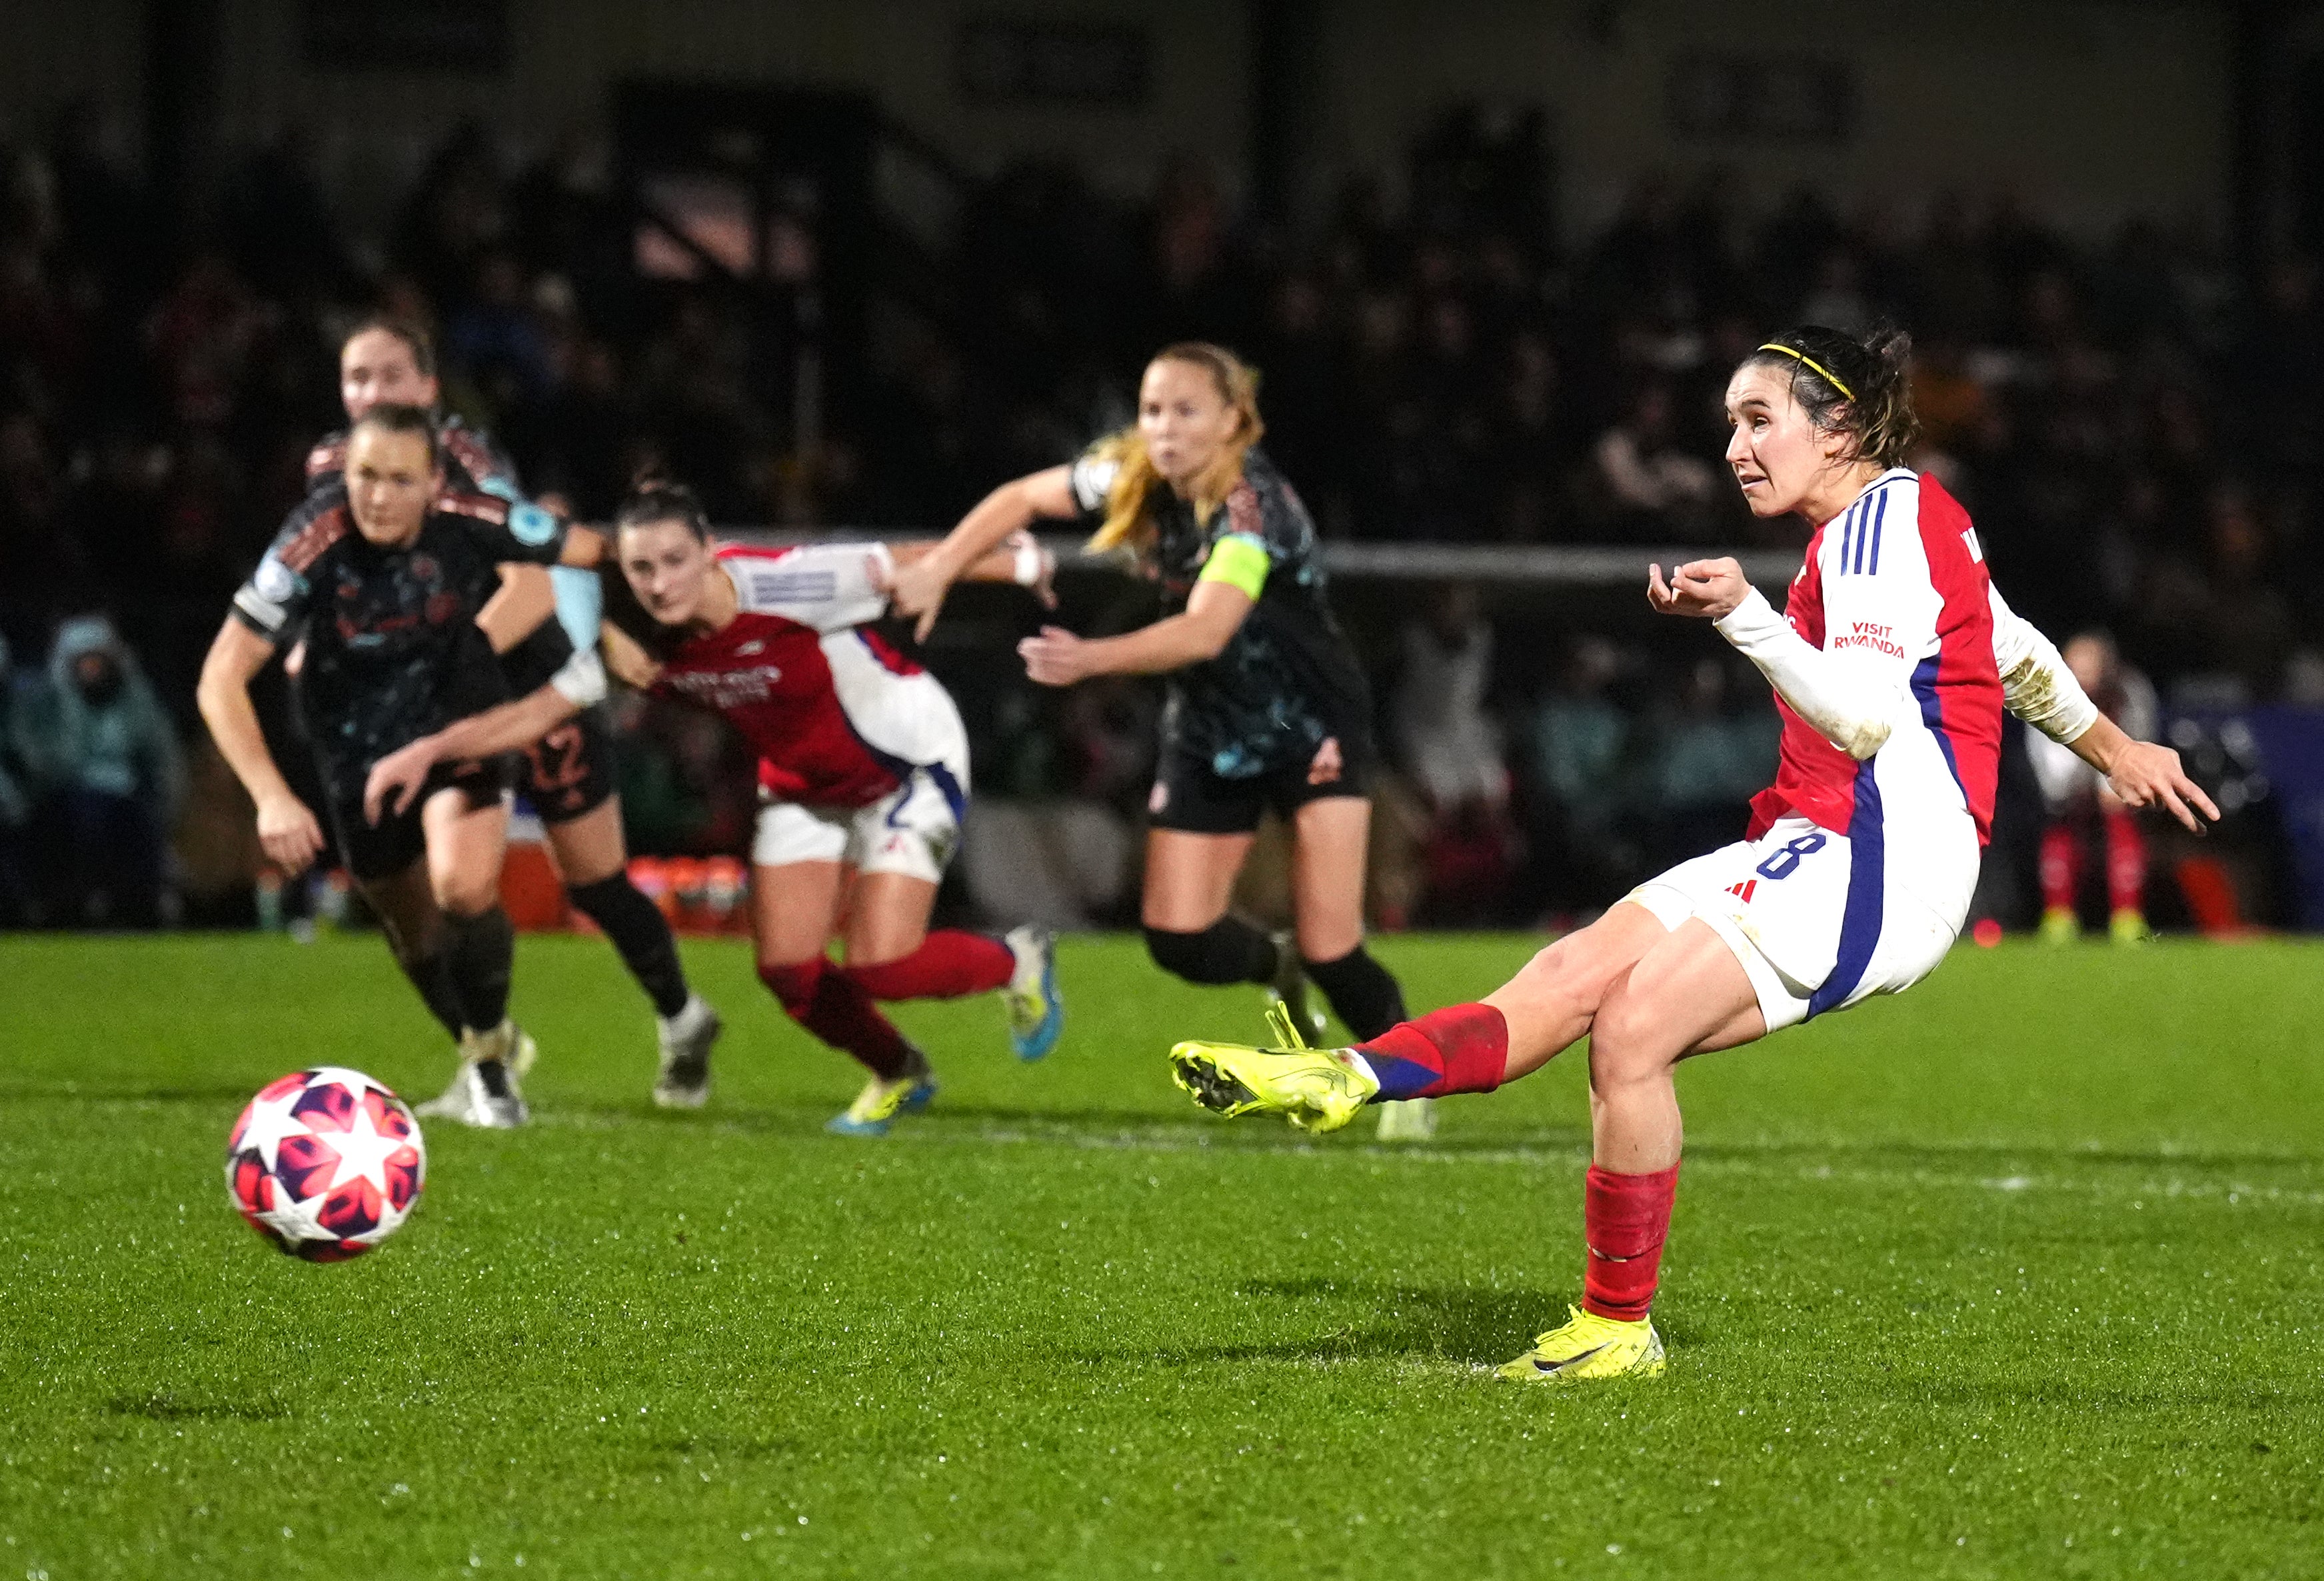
[1020, 559]
[395, 779]
[287, 828]
[921, 583]
[2041, 689]
[1214, 612]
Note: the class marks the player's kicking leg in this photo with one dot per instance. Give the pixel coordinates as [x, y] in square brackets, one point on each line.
[1474, 1048]
[1463, 1048]
[1688, 994]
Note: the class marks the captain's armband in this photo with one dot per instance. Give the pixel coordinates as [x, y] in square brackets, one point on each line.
[1241, 561]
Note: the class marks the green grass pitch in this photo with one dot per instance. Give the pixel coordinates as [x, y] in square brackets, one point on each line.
[2019, 1274]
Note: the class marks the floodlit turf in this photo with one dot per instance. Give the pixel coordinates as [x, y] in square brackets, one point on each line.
[2021, 1274]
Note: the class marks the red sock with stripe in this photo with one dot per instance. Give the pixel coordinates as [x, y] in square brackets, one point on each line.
[1625, 1218]
[1461, 1049]
[949, 963]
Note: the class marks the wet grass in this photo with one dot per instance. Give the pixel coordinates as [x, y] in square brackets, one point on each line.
[2020, 1273]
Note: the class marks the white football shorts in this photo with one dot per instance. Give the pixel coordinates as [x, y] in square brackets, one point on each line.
[1812, 931]
[913, 830]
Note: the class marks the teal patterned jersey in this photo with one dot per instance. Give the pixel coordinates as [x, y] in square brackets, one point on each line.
[1287, 679]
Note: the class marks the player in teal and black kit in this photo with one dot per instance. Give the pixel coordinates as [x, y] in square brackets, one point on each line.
[1268, 706]
[388, 579]
[569, 776]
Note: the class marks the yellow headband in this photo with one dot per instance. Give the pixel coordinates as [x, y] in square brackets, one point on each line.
[1804, 360]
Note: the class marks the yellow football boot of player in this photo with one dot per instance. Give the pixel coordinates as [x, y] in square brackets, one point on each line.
[1316, 1089]
[881, 1100]
[1588, 1347]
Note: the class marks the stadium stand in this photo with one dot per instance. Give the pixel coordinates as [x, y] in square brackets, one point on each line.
[2138, 438]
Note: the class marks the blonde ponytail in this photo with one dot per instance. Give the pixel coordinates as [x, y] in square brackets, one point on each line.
[1128, 521]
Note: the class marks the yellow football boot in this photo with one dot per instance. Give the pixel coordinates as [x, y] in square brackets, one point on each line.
[881, 1101]
[1590, 1346]
[2128, 925]
[1316, 1089]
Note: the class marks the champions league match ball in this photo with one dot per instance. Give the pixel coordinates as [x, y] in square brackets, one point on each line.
[325, 1163]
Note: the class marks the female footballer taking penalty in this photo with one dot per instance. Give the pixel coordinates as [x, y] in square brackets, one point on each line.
[1267, 705]
[1891, 663]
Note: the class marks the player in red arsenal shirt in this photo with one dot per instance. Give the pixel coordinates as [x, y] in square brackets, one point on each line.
[862, 777]
[1892, 663]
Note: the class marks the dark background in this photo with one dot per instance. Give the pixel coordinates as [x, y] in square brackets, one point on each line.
[849, 266]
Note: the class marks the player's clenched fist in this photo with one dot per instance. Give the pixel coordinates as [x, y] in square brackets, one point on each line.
[289, 832]
[1706, 590]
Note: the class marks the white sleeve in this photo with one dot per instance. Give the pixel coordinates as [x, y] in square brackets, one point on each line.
[2034, 680]
[1851, 702]
[830, 587]
[1880, 611]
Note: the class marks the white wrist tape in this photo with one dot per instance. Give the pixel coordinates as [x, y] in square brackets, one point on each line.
[581, 680]
[2036, 682]
[1032, 560]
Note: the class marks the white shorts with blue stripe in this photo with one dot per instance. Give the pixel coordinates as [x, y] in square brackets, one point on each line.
[913, 830]
[1819, 920]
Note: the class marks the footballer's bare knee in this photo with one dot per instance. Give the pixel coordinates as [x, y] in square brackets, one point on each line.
[1555, 997]
[1630, 1039]
[461, 895]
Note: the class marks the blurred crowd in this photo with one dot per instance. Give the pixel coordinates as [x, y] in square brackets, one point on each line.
[2138, 430]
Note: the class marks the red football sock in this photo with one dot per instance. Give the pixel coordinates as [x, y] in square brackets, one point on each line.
[2061, 866]
[2125, 860]
[821, 998]
[1624, 1221]
[948, 964]
[1461, 1049]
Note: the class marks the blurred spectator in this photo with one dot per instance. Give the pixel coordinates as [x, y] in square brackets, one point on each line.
[1579, 740]
[2141, 443]
[1446, 742]
[1450, 748]
[494, 340]
[1651, 488]
[2077, 803]
[105, 761]
[1709, 761]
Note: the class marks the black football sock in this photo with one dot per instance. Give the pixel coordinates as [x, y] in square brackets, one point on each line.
[495, 1078]
[433, 980]
[1230, 951]
[641, 936]
[1363, 993]
[481, 951]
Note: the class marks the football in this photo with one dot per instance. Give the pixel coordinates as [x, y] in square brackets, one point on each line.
[325, 1163]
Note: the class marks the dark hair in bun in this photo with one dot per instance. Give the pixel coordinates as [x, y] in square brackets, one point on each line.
[1858, 386]
[653, 498]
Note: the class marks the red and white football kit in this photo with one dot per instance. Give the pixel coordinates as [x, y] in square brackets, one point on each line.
[863, 757]
[1892, 663]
